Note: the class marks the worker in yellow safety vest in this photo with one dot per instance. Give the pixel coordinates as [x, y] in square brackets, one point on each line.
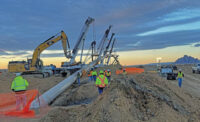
[124, 73]
[101, 82]
[108, 75]
[19, 86]
[94, 75]
[180, 77]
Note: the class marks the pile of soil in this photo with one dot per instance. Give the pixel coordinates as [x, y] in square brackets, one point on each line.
[142, 98]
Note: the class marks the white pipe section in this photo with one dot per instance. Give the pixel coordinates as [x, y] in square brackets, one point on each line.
[52, 93]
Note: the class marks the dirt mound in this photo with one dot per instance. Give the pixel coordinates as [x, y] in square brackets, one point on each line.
[141, 99]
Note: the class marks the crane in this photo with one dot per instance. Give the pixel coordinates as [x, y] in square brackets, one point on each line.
[110, 52]
[93, 46]
[100, 47]
[79, 43]
[72, 65]
[102, 43]
[107, 47]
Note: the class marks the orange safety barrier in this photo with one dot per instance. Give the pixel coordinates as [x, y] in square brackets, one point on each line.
[130, 70]
[18, 104]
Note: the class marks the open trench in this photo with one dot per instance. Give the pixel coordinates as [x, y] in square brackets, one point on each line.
[77, 95]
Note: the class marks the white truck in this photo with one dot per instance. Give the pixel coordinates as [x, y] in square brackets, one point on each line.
[196, 69]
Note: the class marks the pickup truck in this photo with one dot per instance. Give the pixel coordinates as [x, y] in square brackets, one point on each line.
[168, 73]
[196, 69]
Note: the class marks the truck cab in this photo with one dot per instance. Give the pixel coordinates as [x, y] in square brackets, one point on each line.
[196, 69]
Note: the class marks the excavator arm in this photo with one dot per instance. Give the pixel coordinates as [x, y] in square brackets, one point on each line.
[48, 43]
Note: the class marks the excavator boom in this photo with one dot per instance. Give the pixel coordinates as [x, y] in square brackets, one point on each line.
[48, 43]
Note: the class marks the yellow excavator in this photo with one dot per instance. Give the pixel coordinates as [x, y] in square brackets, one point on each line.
[35, 65]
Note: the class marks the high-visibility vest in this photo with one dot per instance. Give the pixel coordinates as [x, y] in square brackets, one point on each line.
[180, 75]
[125, 73]
[102, 85]
[105, 72]
[19, 84]
[94, 73]
[90, 74]
[108, 74]
[101, 81]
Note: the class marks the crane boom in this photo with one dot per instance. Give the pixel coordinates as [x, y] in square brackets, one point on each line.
[107, 47]
[101, 45]
[81, 39]
[111, 51]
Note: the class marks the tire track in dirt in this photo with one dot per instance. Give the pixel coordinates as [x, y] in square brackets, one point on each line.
[192, 84]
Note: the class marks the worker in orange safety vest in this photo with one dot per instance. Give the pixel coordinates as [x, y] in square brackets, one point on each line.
[90, 75]
[101, 82]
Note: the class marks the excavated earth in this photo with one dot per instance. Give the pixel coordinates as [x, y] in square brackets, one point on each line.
[135, 98]
[143, 97]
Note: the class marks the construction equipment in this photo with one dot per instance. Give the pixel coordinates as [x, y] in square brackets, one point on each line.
[93, 46]
[72, 65]
[35, 65]
[101, 46]
[111, 50]
[52, 93]
[107, 48]
[196, 69]
[99, 51]
[167, 71]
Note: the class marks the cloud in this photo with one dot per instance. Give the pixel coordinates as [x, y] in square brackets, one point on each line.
[181, 14]
[159, 41]
[23, 54]
[138, 43]
[26, 24]
[174, 28]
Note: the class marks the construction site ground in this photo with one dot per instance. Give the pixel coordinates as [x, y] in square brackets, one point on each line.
[137, 97]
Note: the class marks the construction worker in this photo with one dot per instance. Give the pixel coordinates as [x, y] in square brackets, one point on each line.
[124, 73]
[19, 86]
[90, 75]
[78, 78]
[94, 75]
[180, 77]
[108, 75]
[104, 70]
[101, 81]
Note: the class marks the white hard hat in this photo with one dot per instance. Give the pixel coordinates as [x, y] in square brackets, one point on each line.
[108, 70]
[18, 74]
[179, 70]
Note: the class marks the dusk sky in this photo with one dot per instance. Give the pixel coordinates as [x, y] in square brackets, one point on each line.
[145, 29]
